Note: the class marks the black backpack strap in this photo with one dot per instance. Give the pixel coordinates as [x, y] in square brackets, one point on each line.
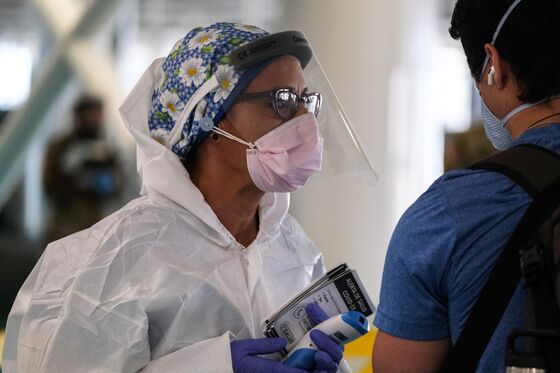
[538, 268]
[532, 167]
[537, 170]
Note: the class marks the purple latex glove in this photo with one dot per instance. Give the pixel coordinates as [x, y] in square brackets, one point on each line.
[329, 352]
[245, 359]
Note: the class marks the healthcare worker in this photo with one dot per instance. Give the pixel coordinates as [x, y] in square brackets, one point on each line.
[180, 279]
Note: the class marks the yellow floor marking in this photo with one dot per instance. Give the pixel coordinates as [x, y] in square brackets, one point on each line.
[1, 346]
[358, 353]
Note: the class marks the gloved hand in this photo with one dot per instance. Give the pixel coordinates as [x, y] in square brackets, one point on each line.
[329, 353]
[245, 359]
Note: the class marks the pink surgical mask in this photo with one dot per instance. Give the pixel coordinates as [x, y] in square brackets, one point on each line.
[284, 159]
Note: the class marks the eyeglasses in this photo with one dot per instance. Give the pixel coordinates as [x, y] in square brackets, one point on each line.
[286, 102]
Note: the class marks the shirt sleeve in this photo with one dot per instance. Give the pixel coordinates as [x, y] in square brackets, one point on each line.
[413, 299]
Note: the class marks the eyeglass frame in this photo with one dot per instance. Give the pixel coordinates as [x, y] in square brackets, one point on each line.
[274, 94]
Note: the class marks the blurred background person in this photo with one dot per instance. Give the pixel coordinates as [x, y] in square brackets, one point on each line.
[83, 175]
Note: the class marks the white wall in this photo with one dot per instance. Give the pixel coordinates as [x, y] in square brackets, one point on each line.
[378, 56]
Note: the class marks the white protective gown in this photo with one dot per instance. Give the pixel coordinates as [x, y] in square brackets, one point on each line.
[160, 285]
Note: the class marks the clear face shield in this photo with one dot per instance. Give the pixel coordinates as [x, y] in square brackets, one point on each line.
[342, 150]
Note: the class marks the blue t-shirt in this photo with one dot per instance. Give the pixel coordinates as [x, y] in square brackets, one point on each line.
[444, 249]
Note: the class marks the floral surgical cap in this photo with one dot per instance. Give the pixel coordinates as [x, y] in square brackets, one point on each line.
[202, 53]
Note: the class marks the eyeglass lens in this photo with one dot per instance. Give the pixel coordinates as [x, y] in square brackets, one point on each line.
[286, 103]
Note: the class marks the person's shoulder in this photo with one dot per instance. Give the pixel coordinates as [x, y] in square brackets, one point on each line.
[429, 232]
[456, 190]
[296, 241]
[126, 235]
[466, 197]
[105, 228]
[475, 195]
[137, 222]
[475, 181]
[458, 209]
[145, 221]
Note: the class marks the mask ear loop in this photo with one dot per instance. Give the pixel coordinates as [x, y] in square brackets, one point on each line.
[228, 135]
[497, 32]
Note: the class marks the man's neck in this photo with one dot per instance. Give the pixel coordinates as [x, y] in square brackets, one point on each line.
[537, 116]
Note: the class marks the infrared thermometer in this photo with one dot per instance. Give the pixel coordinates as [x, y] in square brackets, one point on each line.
[343, 328]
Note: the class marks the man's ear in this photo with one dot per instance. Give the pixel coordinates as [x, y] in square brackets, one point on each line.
[497, 67]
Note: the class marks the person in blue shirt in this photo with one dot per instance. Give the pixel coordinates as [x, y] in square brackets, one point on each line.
[446, 244]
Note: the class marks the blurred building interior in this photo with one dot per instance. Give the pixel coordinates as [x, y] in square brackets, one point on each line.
[403, 81]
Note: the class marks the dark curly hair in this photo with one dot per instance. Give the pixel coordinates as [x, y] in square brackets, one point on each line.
[529, 41]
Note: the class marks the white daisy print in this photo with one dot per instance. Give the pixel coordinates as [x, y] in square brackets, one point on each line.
[249, 28]
[171, 103]
[203, 38]
[193, 70]
[226, 80]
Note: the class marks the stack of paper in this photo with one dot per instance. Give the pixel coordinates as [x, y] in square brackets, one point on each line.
[338, 291]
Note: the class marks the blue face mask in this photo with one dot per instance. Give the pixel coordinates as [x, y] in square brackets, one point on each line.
[495, 130]
[495, 127]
